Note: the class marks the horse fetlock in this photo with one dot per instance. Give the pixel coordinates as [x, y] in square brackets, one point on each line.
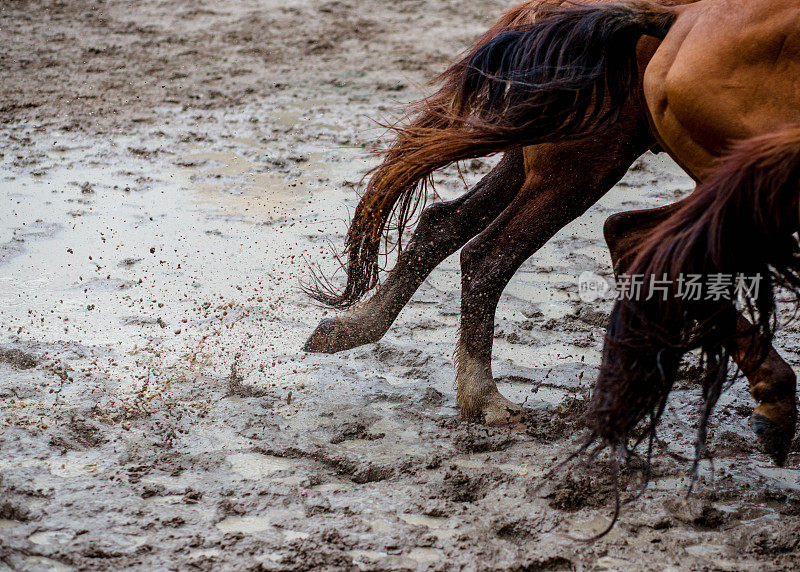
[782, 413]
[475, 386]
[478, 398]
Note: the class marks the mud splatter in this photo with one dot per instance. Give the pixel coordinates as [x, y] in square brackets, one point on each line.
[166, 173]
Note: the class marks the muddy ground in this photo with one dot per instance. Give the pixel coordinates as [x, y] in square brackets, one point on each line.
[167, 171]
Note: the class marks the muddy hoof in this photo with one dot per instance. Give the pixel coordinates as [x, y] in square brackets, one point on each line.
[773, 440]
[500, 412]
[324, 337]
[336, 335]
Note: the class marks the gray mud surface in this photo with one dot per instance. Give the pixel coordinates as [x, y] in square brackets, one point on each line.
[167, 171]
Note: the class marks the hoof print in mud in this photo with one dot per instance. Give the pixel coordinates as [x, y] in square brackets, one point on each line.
[472, 438]
[697, 512]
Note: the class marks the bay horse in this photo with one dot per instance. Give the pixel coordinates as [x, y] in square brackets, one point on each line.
[486, 105]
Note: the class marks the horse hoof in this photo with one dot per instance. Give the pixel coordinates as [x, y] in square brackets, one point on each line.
[323, 338]
[501, 413]
[773, 439]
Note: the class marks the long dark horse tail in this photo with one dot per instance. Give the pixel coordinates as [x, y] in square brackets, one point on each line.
[740, 224]
[546, 71]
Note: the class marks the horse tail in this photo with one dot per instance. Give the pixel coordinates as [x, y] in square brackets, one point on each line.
[566, 75]
[739, 224]
[546, 70]
[397, 187]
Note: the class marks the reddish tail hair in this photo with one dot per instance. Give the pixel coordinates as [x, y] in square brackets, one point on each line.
[741, 220]
[543, 72]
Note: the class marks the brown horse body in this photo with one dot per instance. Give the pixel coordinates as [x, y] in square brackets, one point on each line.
[532, 192]
[748, 69]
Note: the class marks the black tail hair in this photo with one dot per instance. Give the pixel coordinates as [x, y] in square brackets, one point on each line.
[568, 74]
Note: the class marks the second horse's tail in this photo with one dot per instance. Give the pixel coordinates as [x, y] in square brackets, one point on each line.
[737, 233]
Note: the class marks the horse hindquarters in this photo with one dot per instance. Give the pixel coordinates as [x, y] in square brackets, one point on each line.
[566, 74]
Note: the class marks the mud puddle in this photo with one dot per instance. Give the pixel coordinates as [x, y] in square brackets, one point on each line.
[156, 410]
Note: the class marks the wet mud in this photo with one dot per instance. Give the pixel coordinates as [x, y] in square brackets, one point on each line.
[167, 172]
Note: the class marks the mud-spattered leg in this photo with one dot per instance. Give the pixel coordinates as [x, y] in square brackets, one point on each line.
[563, 181]
[443, 228]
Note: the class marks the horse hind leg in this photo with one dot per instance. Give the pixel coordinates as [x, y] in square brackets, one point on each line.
[554, 194]
[442, 229]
